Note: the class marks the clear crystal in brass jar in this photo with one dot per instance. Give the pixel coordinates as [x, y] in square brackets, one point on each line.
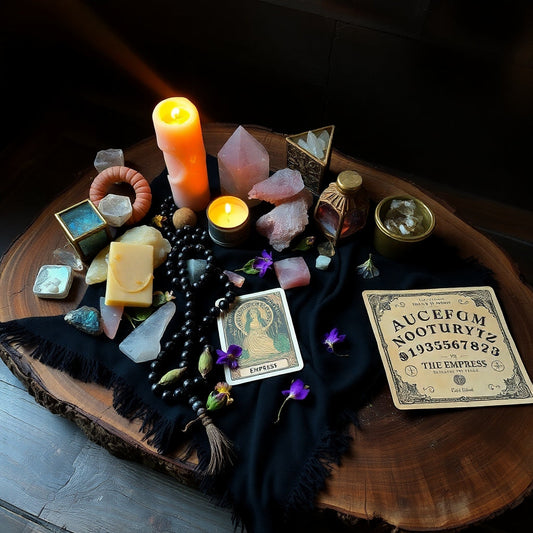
[395, 246]
[342, 208]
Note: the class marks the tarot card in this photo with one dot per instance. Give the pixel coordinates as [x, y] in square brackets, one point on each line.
[261, 324]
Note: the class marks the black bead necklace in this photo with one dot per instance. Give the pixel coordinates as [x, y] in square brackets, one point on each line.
[187, 343]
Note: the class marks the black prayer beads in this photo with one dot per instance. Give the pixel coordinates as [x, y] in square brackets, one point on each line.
[185, 345]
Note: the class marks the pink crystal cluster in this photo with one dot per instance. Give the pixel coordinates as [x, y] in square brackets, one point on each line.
[285, 189]
[242, 162]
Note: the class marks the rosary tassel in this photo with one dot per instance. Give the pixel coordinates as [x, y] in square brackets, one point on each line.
[221, 447]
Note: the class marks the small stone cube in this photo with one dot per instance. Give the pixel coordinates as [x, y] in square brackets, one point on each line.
[292, 272]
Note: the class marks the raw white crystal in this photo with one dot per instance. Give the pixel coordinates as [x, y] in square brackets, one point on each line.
[322, 262]
[112, 157]
[66, 257]
[403, 218]
[143, 343]
[316, 146]
[111, 317]
[116, 209]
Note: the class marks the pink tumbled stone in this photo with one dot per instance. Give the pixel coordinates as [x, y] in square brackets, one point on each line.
[292, 272]
[235, 278]
[281, 186]
[242, 162]
[285, 221]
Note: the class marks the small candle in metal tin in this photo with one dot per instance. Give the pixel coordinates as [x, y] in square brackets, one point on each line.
[228, 221]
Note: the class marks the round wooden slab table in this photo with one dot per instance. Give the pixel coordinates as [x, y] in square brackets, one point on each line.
[417, 470]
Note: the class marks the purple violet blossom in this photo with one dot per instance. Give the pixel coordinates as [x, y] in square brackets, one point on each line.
[231, 357]
[332, 338]
[262, 263]
[297, 391]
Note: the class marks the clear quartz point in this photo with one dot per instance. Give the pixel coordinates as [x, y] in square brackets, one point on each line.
[66, 257]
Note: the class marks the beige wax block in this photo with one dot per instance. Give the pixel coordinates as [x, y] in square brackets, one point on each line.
[130, 275]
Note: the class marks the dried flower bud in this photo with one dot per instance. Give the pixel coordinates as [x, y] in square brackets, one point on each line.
[220, 397]
[205, 362]
[171, 376]
[215, 400]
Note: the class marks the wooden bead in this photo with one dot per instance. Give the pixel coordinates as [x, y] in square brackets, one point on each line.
[184, 216]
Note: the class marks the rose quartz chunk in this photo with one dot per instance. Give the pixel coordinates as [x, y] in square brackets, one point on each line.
[292, 272]
[277, 189]
[242, 162]
[285, 221]
[111, 316]
[235, 278]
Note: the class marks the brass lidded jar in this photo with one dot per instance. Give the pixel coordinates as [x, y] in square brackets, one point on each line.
[342, 208]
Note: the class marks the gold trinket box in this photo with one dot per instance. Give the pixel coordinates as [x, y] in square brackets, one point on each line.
[85, 228]
[311, 167]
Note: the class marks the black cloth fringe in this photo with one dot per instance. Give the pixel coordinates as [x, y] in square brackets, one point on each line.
[158, 431]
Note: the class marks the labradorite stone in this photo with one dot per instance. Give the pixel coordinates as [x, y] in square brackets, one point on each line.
[86, 319]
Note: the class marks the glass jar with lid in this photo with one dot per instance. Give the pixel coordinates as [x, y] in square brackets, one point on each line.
[342, 208]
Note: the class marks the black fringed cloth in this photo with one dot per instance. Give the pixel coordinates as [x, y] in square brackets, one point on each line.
[279, 468]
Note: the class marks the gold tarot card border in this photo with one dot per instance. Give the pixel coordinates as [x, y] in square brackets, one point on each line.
[261, 324]
[446, 348]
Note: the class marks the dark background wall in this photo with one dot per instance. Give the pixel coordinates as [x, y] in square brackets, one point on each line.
[434, 90]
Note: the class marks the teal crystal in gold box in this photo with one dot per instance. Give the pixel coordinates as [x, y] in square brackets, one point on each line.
[85, 228]
[309, 152]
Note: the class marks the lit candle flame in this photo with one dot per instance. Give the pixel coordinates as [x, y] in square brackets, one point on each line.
[175, 113]
[227, 208]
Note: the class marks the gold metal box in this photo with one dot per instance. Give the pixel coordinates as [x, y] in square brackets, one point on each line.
[311, 167]
[85, 228]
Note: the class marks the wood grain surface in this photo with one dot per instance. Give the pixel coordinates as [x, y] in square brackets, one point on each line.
[417, 470]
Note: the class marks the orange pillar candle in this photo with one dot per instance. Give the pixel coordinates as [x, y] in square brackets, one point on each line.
[228, 219]
[179, 136]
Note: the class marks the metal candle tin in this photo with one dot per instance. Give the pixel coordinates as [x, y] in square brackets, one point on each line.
[397, 246]
[236, 229]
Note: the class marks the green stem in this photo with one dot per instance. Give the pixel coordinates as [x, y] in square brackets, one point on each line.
[280, 409]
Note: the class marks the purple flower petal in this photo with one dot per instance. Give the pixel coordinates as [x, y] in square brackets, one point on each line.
[332, 338]
[298, 390]
[231, 357]
[263, 263]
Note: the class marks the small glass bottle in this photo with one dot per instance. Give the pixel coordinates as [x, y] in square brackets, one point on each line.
[342, 208]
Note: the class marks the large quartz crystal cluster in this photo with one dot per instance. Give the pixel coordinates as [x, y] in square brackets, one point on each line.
[285, 189]
[404, 218]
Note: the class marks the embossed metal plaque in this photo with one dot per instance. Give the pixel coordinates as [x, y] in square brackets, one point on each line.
[446, 348]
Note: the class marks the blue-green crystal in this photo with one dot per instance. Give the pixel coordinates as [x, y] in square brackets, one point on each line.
[86, 319]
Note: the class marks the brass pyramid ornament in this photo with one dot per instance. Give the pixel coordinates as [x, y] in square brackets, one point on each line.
[309, 152]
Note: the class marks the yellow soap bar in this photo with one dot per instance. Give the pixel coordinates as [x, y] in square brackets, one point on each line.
[130, 275]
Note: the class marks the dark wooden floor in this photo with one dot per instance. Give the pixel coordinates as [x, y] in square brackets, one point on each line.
[70, 90]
